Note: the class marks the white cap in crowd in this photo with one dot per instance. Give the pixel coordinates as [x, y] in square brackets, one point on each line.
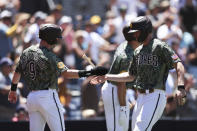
[65, 19]
[5, 14]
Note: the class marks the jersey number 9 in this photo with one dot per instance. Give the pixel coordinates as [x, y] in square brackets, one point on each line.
[32, 70]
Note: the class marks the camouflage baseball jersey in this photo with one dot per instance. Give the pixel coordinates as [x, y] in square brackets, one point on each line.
[122, 59]
[151, 64]
[40, 68]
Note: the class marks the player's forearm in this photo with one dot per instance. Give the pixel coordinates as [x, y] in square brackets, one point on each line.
[71, 74]
[123, 77]
[98, 71]
[16, 78]
[180, 73]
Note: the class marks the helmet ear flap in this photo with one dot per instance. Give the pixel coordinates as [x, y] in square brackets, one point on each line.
[48, 40]
[144, 32]
[53, 42]
[128, 36]
[143, 36]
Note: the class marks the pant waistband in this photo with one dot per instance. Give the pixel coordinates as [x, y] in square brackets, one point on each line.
[150, 90]
[146, 91]
[111, 83]
[41, 89]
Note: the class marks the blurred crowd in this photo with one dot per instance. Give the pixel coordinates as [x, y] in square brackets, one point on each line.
[174, 21]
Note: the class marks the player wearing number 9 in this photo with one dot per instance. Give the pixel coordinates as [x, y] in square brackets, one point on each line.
[40, 69]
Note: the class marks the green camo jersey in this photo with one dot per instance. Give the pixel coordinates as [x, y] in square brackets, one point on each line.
[40, 68]
[151, 64]
[122, 59]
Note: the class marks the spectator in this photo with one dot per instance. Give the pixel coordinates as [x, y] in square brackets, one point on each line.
[155, 16]
[56, 13]
[96, 43]
[95, 20]
[178, 50]
[109, 27]
[80, 47]
[65, 49]
[120, 21]
[18, 41]
[31, 37]
[5, 33]
[142, 7]
[188, 15]
[169, 31]
[7, 109]
[20, 115]
[192, 54]
[131, 4]
[68, 33]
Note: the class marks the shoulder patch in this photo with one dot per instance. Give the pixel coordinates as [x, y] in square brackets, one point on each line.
[60, 65]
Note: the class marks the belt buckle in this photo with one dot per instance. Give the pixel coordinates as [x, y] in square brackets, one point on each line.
[142, 91]
[147, 91]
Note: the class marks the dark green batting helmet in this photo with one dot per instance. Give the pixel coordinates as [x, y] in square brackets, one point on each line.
[50, 33]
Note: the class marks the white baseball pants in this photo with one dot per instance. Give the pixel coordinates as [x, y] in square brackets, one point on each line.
[44, 106]
[148, 110]
[112, 108]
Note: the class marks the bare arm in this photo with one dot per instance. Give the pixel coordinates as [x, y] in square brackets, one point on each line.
[123, 77]
[180, 73]
[16, 78]
[71, 74]
[180, 93]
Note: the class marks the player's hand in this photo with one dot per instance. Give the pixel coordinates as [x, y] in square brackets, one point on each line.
[98, 80]
[181, 96]
[12, 97]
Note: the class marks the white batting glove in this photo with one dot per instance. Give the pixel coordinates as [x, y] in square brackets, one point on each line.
[123, 116]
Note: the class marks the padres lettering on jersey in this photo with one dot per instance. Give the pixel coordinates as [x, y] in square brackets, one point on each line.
[151, 64]
[40, 68]
[147, 59]
[122, 59]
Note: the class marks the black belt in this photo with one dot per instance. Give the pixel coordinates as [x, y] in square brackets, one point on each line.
[41, 89]
[143, 91]
[45, 88]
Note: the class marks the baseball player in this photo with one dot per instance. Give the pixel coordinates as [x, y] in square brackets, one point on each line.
[150, 66]
[116, 104]
[40, 68]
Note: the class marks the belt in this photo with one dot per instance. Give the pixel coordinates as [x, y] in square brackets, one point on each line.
[144, 91]
[112, 82]
[41, 89]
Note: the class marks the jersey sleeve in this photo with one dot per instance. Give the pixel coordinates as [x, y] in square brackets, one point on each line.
[133, 67]
[60, 66]
[115, 67]
[169, 56]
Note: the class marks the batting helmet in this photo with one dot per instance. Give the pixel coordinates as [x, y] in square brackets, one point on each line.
[50, 33]
[142, 24]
